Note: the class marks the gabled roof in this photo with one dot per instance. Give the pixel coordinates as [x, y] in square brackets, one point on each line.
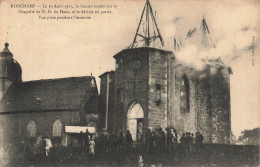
[52, 94]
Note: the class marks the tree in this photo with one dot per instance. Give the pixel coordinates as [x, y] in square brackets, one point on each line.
[249, 137]
[233, 138]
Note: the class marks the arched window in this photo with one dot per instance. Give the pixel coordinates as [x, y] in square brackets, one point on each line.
[56, 128]
[185, 94]
[31, 129]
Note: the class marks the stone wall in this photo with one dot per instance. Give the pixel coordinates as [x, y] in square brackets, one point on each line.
[158, 84]
[220, 104]
[183, 121]
[209, 102]
[203, 105]
[130, 84]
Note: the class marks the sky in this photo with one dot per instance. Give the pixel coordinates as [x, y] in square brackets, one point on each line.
[64, 48]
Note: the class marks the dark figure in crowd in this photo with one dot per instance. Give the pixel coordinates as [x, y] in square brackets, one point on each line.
[188, 142]
[119, 140]
[96, 138]
[148, 140]
[175, 139]
[170, 139]
[107, 141]
[128, 137]
[193, 146]
[86, 140]
[154, 140]
[199, 140]
[102, 138]
[38, 149]
[113, 141]
[162, 139]
[81, 140]
[182, 140]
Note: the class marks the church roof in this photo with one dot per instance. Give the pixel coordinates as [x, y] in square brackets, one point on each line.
[48, 95]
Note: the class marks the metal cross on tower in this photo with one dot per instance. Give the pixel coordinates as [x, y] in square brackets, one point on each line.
[147, 32]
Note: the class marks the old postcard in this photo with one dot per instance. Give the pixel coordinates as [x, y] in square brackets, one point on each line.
[129, 83]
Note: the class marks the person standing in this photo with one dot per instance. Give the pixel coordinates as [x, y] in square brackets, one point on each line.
[175, 139]
[170, 139]
[38, 148]
[148, 140]
[162, 139]
[188, 143]
[193, 147]
[120, 139]
[81, 140]
[199, 141]
[183, 141]
[128, 137]
[86, 138]
[91, 147]
[48, 145]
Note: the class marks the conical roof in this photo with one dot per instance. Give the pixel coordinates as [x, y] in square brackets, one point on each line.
[9, 68]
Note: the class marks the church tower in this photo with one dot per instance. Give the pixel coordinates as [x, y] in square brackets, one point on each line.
[150, 88]
[10, 71]
[141, 80]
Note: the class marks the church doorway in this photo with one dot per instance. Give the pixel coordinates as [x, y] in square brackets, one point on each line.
[135, 121]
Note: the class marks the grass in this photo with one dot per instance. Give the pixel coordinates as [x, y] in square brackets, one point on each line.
[210, 155]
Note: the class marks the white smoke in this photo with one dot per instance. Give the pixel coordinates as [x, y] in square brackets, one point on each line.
[233, 44]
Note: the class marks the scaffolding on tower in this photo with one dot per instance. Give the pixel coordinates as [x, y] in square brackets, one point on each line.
[147, 33]
[206, 38]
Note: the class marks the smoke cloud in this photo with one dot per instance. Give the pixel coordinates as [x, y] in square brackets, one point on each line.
[234, 44]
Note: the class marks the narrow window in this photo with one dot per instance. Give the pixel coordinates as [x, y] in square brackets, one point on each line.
[158, 94]
[185, 94]
[31, 129]
[56, 128]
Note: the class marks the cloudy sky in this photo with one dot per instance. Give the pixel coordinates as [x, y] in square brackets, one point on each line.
[64, 48]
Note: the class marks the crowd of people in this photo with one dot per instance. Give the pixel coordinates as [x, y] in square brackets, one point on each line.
[103, 141]
[155, 140]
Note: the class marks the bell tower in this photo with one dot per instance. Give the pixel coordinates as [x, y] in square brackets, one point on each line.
[141, 79]
[10, 71]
